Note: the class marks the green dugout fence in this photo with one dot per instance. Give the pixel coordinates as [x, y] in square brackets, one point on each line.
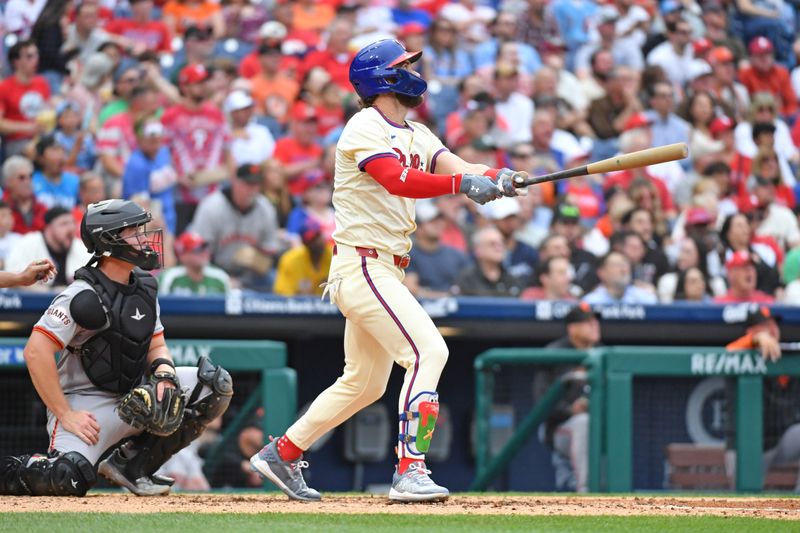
[276, 392]
[611, 373]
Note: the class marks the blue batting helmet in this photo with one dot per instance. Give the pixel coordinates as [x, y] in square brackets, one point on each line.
[374, 70]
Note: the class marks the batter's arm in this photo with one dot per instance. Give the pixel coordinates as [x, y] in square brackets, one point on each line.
[39, 356]
[450, 163]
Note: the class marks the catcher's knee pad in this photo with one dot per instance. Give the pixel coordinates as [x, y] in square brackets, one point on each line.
[418, 423]
[57, 474]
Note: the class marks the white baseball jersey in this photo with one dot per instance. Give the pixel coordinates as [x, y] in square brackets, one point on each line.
[59, 326]
[366, 213]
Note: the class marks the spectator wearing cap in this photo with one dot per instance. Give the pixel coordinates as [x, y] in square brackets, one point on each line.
[566, 429]
[520, 259]
[737, 235]
[179, 15]
[553, 278]
[77, 142]
[56, 241]
[515, 109]
[607, 115]
[622, 51]
[764, 75]
[616, 283]
[272, 33]
[52, 185]
[126, 78]
[434, 265]
[764, 129]
[725, 86]
[199, 141]
[23, 96]
[241, 228]
[771, 20]
[116, 139]
[675, 54]
[194, 275]
[665, 126]
[405, 12]
[566, 223]
[303, 270]
[141, 31]
[336, 56]
[252, 143]
[198, 49]
[27, 211]
[766, 170]
[488, 276]
[505, 28]
[273, 90]
[741, 278]
[149, 175]
[299, 151]
[411, 35]
[315, 204]
[721, 129]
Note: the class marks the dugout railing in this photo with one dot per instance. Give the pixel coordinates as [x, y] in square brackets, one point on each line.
[276, 391]
[611, 375]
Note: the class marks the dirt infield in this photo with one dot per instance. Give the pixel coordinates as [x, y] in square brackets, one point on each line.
[788, 508]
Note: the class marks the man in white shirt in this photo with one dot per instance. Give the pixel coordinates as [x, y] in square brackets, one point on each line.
[252, 143]
[515, 108]
[674, 55]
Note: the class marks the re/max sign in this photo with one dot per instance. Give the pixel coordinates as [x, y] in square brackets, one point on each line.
[721, 363]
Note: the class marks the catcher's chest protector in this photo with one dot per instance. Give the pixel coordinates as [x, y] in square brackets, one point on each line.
[115, 358]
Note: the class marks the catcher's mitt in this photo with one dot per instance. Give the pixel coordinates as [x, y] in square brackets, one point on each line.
[141, 409]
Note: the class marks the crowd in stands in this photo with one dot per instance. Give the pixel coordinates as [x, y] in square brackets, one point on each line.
[222, 117]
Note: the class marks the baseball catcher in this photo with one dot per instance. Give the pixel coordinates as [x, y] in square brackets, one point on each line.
[114, 391]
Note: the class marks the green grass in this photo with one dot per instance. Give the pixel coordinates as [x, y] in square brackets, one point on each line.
[310, 523]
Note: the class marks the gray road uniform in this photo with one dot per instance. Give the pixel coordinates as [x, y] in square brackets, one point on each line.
[104, 330]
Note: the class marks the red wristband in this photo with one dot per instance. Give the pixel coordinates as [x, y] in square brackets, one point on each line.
[492, 173]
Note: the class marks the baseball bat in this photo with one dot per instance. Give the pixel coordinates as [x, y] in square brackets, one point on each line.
[642, 158]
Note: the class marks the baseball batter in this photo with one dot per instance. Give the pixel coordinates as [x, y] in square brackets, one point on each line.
[106, 329]
[383, 163]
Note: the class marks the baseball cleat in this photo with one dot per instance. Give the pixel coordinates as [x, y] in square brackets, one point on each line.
[113, 469]
[415, 485]
[285, 475]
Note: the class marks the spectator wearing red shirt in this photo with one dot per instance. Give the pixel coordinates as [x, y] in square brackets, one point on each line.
[335, 57]
[141, 31]
[199, 139]
[299, 152]
[23, 96]
[741, 278]
[330, 111]
[28, 214]
[763, 75]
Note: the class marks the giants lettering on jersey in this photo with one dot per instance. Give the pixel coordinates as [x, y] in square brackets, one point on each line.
[414, 161]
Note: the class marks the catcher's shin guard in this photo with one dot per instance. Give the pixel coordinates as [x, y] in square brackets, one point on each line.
[56, 474]
[419, 422]
[149, 451]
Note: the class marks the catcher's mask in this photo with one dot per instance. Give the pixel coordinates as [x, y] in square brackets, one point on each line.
[106, 230]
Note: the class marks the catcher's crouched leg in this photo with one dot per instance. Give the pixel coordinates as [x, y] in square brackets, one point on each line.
[140, 457]
[56, 474]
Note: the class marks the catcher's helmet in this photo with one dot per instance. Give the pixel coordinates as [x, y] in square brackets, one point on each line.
[101, 227]
[373, 70]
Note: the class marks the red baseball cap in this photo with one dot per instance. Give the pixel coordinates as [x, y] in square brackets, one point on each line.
[739, 259]
[637, 120]
[721, 124]
[760, 45]
[191, 74]
[412, 28]
[189, 242]
[301, 112]
[701, 46]
[720, 54]
[697, 216]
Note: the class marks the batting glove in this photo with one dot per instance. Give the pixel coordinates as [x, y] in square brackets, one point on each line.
[509, 182]
[480, 189]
